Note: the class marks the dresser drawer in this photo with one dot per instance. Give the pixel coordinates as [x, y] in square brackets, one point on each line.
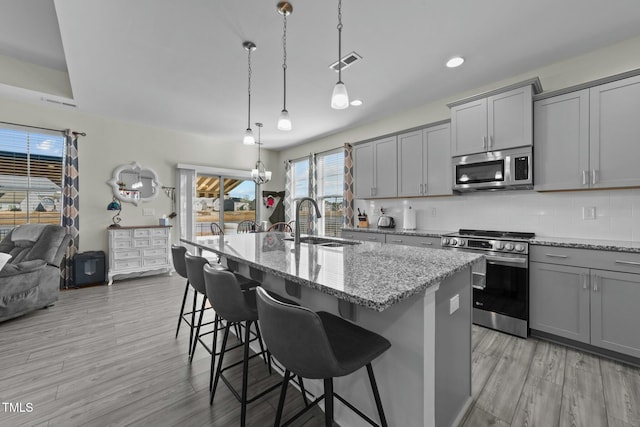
[126, 264]
[159, 242]
[154, 252]
[628, 262]
[148, 262]
[141, 243]
[155, 232]
[126, 254]
[121, 234]
[142, 232]
[121, 244]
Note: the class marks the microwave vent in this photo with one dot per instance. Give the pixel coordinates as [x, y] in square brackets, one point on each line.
[347, 61]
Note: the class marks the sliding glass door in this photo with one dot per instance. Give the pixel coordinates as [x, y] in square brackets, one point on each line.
[222, 202]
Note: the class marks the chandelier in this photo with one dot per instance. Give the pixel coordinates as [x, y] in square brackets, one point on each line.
[260, 174]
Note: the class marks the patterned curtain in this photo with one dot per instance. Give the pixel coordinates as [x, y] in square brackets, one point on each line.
[288, 192]
[71, 204]
[348, 185]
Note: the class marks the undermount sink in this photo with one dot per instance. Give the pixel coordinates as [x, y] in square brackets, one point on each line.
[323, 241]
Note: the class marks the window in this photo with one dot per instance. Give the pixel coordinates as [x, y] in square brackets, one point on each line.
[300, 171]
[330, 191]
[31, 177]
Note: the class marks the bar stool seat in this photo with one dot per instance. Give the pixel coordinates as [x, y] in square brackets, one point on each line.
[320, 346]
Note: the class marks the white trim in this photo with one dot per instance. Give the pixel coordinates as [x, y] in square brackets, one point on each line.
[209, 170]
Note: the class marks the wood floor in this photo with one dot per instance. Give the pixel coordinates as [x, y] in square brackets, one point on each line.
[107, 356]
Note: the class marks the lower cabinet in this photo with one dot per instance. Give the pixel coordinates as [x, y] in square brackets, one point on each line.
[418, 241]
[597, 307]
[363, 235]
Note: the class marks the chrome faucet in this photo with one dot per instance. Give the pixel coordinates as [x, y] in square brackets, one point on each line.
[318, 215]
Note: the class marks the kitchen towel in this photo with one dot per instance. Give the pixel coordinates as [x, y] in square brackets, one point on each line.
[409, 219]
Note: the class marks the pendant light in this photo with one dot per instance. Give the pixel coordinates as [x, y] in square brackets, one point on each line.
[284, 8]
[248, 134]
[340, 97]
[260, 175]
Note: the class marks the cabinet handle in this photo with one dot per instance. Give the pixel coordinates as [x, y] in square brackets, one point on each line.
[584, 281]
[595, 283]
[372, 238]
[396, 241]
[421, 189]
[484, 142]
[426, 243]
[371, 191]
[584, 177]
[556, 256]
[594, 176]
[490, 141]
[627, 262]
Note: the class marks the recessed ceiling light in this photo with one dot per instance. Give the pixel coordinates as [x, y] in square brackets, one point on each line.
[454, 62]
[356, 102]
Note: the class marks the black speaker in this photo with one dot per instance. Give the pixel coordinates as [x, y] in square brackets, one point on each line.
[88, 268]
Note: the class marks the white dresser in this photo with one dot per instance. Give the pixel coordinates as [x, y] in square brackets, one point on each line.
[141, 249]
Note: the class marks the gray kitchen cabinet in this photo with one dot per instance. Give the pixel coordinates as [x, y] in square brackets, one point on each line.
[418, 241]
[615, 134]
[572, 299]
[561, 142]
[424, 167]
[588, 138]
[375, 169]
[363, 236]
[559, 300]
[498, 122]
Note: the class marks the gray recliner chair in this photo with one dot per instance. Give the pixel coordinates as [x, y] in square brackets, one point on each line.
[31, 278]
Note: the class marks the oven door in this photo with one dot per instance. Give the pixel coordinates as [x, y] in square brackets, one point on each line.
[506, 287]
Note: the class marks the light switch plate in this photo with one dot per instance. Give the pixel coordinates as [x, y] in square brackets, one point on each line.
[589, 212]
[454, 303]
[148, 212]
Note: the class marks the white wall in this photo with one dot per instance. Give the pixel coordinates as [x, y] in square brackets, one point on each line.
[547, 214]
[110, 143]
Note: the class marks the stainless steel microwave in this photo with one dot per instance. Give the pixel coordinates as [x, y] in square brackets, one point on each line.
[494, 170]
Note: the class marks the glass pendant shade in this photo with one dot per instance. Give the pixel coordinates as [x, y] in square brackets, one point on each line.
[260, 175]
[340, 97]
[284, 121]
[248, 137]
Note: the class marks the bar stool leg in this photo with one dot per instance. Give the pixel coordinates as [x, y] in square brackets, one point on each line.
[184, 301]
[219, 368]
[216, 323]
[328, 402]
[195, 340]
[245, 374]
[376, 395]
[304, 393]
[283, 394]
[193, 320]
[267, 358]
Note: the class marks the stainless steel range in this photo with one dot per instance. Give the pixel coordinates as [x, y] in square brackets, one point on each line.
[501, 284]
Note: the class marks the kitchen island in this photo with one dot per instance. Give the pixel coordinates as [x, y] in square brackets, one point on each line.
[417, 298]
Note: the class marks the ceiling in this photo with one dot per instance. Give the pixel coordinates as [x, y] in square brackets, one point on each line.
[181, 65]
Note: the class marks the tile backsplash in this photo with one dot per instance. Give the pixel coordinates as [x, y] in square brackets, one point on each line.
[559, 214]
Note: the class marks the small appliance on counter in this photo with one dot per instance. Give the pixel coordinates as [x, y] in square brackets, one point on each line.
[385, 221]
[409, 219]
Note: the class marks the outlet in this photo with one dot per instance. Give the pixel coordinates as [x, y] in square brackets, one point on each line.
[433, 211]
[454, 303]
[148, 212]
[589, 212]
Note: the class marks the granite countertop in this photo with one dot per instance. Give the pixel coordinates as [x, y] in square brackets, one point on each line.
[578, 243]
[374, 275]
[399, 231]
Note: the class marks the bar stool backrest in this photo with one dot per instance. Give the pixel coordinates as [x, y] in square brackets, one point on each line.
[177, 253]
[296, 337]
[226, 296]
[194, 271]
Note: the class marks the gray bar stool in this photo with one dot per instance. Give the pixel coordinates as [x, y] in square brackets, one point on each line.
[320, 346]
[236, 306]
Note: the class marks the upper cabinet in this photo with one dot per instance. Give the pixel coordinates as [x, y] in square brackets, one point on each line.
[375, 169]
[588, 138]
[496, 122]
[424, 167]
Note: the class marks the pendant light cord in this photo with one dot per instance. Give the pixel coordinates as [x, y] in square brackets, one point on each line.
[339, 41]
[284, 59]
[249, 91]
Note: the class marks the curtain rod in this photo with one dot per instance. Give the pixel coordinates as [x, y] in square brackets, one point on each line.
[38, 127]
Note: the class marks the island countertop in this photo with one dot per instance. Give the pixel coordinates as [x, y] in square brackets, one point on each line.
[369, 274]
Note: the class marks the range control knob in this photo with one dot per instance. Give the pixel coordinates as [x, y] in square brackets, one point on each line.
[461, 242]
[445, 241]
[454, 242]
[519, 247]
[508, 246]
[499, 245]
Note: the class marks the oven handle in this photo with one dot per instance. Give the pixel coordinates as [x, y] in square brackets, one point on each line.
[505, 260]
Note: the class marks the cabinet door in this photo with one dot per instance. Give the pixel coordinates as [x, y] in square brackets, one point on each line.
[410, 164]
[510, 119]
[363, 236]
[561, 148]
[469, 128]
[438, 175]
[418, 241]
[559, 300]
[363, 171]
[385, 172]
[615, 134]
[614, 311]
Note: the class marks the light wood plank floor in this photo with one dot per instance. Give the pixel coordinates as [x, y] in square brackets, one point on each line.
[532, 382]
[107, 356]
